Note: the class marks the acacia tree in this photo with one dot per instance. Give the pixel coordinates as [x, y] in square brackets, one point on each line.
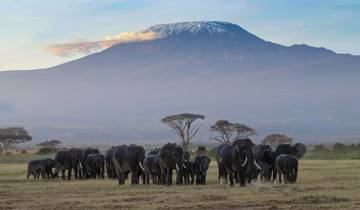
[226, 132]
[184, 127]
[274, 140]
[52, 144]
[12, 135]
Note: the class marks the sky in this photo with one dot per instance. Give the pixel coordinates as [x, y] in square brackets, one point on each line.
[30, 30]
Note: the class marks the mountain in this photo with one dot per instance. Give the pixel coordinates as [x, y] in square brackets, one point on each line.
[214, 68]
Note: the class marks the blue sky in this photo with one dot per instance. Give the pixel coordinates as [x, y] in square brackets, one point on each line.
[28, 26]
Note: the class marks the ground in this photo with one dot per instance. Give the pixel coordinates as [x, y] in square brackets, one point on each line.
[322, 184]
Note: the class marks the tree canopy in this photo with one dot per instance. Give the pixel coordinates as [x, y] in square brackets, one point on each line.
[12, 135]
[274, 140]
[51, 144]
[183, 126]
[226, 132]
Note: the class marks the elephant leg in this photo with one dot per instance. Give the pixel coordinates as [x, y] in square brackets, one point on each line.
[231, 178]
[69, 173]
[204, 179]
[242, 177]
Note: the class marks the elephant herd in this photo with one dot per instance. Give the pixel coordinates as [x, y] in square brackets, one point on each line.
[241, 161]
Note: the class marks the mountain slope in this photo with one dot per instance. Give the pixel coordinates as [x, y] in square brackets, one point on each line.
[214, 68]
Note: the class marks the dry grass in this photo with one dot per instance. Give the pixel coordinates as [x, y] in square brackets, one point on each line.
[333, 184]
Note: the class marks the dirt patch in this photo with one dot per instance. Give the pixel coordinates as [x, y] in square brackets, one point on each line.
[310, 199]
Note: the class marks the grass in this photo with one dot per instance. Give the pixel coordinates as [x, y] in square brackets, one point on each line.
[322, 184]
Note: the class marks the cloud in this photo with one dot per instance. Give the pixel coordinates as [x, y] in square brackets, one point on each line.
[87, 47]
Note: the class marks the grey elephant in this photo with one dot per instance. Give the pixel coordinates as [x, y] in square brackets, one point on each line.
[129, 159]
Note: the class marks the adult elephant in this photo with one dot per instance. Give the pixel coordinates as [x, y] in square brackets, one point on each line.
[129, 159]
[286, 149]
[95, 165]
[250, 165]
[78, 161]
[301, 150]
[262, 162]
[188, 171]
[110, 168]
[63, 162]
[287, 166]
[170, 157]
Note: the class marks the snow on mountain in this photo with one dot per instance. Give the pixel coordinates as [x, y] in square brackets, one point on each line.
[214, 68]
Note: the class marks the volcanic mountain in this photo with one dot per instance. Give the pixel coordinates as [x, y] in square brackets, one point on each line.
[213, 68]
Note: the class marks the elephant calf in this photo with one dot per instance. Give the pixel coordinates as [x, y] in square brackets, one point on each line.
[287, 166]
[202, 163]
[188, 169]
[35, 168]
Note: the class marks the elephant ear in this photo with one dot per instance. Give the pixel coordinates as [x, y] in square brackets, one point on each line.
[301, 150]
[293, 150]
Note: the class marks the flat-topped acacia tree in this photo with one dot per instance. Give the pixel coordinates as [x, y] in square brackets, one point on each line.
[12, 135]
[227, 132]
[275, 139]
[184, 127]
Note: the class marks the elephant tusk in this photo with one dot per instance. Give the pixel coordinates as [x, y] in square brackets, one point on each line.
[80, 165]
[184, 166]
[244, 162]
[141, 166]
[177, 167]
[257, 165]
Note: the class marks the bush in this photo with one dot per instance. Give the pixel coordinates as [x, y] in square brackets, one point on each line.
[23, 151]
[44, 151]
[8, 154]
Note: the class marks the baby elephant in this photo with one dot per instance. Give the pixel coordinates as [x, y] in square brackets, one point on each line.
[202, 163]
[287, 166]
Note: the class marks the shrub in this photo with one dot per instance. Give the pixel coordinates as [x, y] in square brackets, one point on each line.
[9, 154]
[23, 151]
[44, 151]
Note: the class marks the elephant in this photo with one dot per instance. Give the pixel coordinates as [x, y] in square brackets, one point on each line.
[152, 169]
[63, 161]
[222, 173]
[170, 157]
[78, 162]
[49, 164]
[86, 153]
[95, 165]
[281, 149]
[129, 159]
[110, 168]
[188, 171]
[261, 161]
[68, 160]
[251, 165]
[287, 166]
[36, 169]
[237, 158]
[202, 163]
[301, 150]
[154, 151]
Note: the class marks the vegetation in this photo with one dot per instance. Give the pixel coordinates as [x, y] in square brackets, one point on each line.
[50, 144]
[322, 184]
[226, 132]
[274, 140]
[184, 127]
[336, 151]
[12, 136]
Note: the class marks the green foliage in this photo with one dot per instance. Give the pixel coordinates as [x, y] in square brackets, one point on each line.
[45, 150]
[337, 152]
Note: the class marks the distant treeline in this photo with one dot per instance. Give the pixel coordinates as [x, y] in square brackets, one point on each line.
[336, 151]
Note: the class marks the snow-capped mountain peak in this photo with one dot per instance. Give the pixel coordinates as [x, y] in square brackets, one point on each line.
[194, 28]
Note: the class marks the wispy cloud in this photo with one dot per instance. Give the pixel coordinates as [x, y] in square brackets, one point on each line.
[86, 47]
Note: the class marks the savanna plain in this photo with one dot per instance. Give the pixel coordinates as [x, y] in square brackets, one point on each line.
[322, 184]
